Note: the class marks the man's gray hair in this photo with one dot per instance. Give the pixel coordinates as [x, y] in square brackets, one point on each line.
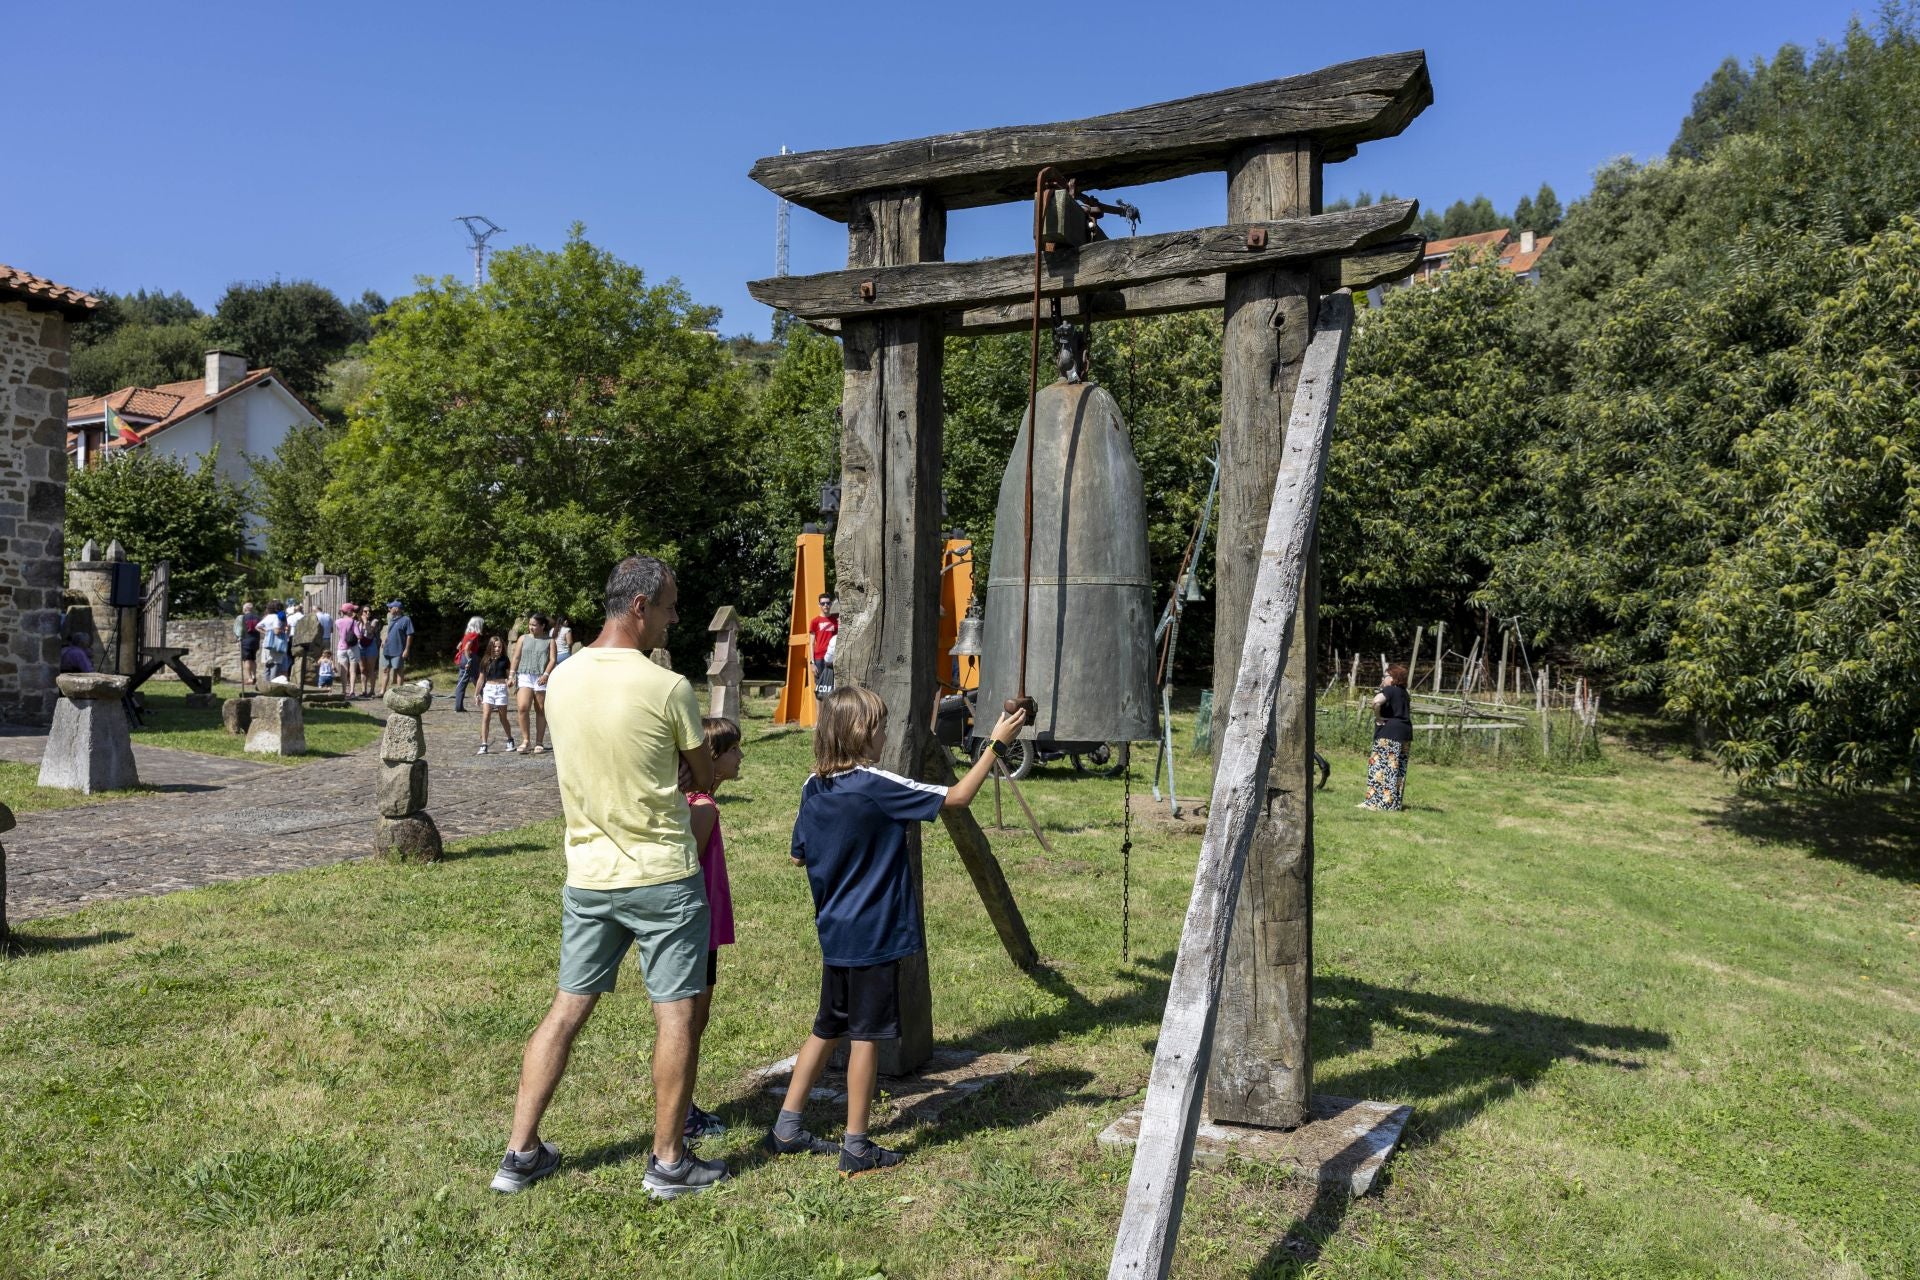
[635, 576]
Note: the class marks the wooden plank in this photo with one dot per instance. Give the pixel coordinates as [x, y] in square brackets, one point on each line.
[1156, 1191]
[1383, 264]
[1264, 1072]
[1342, 106]
[1093, 268]
[976, 854]
[887, 550]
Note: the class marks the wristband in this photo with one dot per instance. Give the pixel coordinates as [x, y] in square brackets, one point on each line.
[999, 748]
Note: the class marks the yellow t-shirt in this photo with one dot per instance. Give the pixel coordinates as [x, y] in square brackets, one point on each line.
[619, 724]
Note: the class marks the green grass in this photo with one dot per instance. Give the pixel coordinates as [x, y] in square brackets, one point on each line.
[1647, 1030]
[331, 731]
[20, 791]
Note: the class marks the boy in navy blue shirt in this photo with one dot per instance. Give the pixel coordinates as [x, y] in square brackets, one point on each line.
[851, 836]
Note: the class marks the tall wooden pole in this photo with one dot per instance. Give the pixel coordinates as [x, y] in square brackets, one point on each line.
[887, 548]
[1262, 1073]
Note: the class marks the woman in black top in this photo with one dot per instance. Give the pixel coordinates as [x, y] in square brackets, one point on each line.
[1392, 735]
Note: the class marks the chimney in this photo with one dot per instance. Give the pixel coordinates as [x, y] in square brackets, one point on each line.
[224, 368]
[1526, 242]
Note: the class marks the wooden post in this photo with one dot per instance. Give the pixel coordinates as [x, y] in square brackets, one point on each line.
[1413, 663]
[1439, 656]
[1244, 802]
[887, 549]
[977, 855]
[1263, 1074]
[1500, 680]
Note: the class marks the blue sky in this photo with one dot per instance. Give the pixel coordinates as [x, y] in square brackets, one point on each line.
[185, 146]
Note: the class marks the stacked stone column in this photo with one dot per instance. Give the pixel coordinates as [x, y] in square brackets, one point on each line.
[6, 825]
[407, 831]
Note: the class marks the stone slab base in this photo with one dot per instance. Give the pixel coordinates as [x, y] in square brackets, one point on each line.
[1192, 819]
[946, 1078]
[1345, 1141]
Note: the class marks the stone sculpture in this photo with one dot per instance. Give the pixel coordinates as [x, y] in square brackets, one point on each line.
[276, 726]
[723, 668]
[90, 747]
[407, 832]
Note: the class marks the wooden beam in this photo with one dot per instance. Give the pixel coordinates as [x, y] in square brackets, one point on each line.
[1341, 106]
[1093, 268]
[888, 548]
[1263, 1073]
[989, 881]
[1383, 264]
[1156, 1191]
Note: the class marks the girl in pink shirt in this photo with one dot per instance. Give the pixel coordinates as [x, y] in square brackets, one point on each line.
[723, 742]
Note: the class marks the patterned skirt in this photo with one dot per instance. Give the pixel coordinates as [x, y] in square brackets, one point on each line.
[1386, 774]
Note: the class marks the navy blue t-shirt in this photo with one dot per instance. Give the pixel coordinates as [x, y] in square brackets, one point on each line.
[852, 834]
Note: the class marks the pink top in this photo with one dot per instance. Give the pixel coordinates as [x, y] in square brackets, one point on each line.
[713, 869]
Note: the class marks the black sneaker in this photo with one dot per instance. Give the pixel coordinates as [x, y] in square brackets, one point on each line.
[876, 1159]
[517, 1173]
[703, 1124]
[694, 1174]
[803, 1143]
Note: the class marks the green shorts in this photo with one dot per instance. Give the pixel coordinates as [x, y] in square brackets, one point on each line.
[668, 921]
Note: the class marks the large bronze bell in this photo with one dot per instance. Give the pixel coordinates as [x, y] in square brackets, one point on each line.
[1090, 631]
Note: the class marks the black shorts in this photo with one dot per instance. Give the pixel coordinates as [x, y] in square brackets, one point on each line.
[862, 1003]
[249, 647]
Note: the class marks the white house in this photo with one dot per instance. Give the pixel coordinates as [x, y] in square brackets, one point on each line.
[246, 413]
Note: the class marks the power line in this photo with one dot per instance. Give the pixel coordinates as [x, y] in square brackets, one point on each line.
[474, 224]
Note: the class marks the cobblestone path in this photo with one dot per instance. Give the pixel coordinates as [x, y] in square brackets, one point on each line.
[227, 819]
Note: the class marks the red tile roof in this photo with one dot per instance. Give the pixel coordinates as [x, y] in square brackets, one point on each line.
[151, 409]
[21, 286]
[1440, 248]
[1521, 263]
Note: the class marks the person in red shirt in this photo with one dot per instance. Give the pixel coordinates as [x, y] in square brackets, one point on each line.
[823, 629]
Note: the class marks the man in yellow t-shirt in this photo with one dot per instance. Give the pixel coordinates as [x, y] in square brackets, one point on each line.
[621, 727]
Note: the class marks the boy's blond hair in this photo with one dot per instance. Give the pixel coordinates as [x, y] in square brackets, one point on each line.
[848, 730]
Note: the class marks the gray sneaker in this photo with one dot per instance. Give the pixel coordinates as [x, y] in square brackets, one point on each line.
[517, 1173]
[692, 1174]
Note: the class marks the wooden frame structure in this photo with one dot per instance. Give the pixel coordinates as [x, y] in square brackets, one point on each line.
[1246, 955]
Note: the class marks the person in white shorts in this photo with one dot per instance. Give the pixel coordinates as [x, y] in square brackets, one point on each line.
[493, 669]
[533, 657]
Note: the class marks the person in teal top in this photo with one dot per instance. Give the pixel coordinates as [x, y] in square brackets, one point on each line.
[533, 660]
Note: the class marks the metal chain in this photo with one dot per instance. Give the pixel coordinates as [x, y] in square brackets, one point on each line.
[1126, 867]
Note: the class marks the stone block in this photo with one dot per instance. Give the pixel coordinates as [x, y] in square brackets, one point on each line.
[276, 727]
[409, 700]
[410, 839]
[404, 740]
[93, 686]
[201, 701]
[402, 788]
[89, 748]
[236, 714]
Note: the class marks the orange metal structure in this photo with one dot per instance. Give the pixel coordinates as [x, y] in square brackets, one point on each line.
[797, 705]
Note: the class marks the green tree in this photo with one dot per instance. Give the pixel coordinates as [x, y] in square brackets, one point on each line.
[1799, 648]
[160, 509]
[1423, 499]
[296, 326]
[140, 355]
[290, 487]
[520, 438]
[1469, 218]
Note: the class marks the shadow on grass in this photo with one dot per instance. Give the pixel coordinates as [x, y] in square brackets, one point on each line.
[1489, 1052]
[23, 945]
[1876, 831]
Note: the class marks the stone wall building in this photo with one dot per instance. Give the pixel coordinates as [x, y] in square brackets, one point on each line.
[34, 314]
